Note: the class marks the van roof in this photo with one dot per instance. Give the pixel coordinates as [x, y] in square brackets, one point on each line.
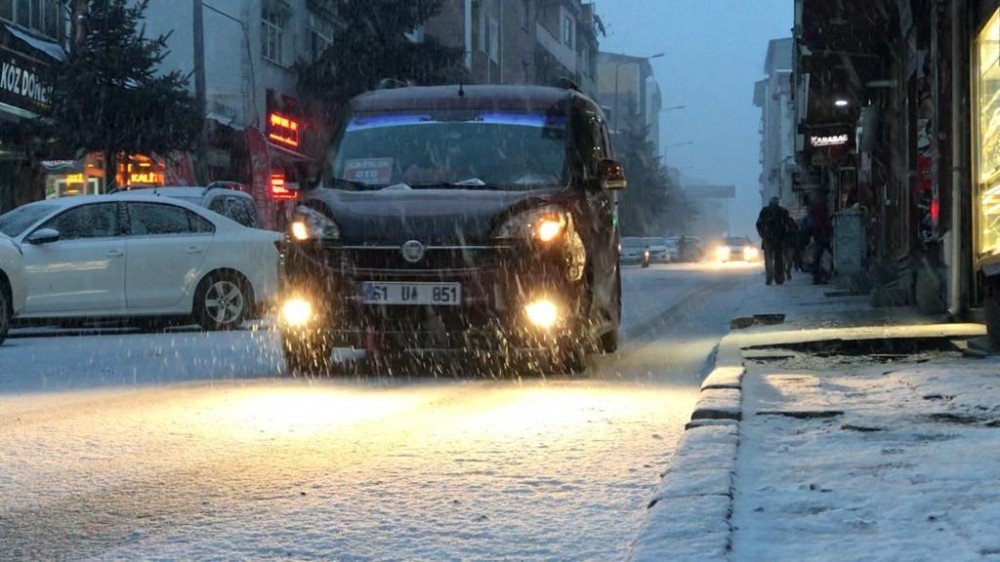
[475, 97]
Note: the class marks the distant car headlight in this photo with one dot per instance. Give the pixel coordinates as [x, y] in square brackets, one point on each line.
[310, 224]
[750, 253]
[545, 224]
[723, 252]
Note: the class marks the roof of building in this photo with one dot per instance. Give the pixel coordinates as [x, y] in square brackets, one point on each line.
[779, 55]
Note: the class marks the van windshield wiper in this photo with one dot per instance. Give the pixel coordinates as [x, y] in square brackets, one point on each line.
[356, 185]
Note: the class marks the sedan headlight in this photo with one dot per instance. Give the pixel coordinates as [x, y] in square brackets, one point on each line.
[544, 224]
[723, 252]
[750, 253]
[310, 224]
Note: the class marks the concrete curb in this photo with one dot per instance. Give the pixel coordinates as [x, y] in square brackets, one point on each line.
[689, 516]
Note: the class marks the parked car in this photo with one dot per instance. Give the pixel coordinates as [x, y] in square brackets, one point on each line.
[737, 248]
[634, 251]
[477, 219]
[230, 203]
[659, 252]
[12, 284]
[142, 257]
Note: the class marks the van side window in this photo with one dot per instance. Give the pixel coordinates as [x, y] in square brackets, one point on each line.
[593, 141]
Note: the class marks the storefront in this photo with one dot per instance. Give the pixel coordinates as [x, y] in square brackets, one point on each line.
[986, 146]
[24, 60]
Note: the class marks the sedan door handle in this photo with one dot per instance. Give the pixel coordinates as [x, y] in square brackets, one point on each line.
[195, 250]
[115, 253]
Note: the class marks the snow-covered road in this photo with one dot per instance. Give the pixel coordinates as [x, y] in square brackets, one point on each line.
[189, 445]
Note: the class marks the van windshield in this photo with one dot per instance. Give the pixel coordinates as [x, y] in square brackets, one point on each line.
[450, 149]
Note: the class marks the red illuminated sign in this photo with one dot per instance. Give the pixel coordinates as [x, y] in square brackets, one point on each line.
[278, 189]
[283, 130]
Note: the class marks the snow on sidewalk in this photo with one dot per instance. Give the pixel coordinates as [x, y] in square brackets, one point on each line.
[869, 462]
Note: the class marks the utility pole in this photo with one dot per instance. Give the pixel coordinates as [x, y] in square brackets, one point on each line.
[199, 87]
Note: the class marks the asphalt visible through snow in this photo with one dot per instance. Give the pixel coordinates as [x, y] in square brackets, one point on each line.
[192, 446]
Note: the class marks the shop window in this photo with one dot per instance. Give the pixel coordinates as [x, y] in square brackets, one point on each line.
[273, 24]
[88, 221]
[152, 219]
[7, 10]
[987, 161]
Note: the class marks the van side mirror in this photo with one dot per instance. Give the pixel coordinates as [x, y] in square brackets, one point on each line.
[611, 174]
[43, 236]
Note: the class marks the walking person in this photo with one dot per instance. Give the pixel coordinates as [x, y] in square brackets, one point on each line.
[771, 225]
[790, 246]
[819, 221]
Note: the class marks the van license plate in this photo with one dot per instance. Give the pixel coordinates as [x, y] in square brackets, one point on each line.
[437, 294]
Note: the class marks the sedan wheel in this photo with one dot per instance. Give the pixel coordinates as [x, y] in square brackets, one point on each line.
[5, 314]
[222, 304]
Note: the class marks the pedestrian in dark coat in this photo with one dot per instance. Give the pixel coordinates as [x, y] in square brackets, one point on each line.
[822, 233]
[771, 225]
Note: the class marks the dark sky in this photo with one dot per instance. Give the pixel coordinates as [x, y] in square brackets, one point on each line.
[714, 53]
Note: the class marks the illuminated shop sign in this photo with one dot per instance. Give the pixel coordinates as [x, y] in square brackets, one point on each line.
[817, 141]
[145, 178]
[279, 189]
[21, 84]
[283, 130]
[72, 179]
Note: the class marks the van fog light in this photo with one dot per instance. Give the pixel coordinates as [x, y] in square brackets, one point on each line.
[296, 312]
[542, 313]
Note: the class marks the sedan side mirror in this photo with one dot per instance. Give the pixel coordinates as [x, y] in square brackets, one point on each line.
[611, 174]
[43, 236]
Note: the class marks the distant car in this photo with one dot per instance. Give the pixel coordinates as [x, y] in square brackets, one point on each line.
[230, 203]
[635, 251]
[737, 248]
[12, 284]
[659, 250]
[673, 244]
[691, 249]
[141, 257]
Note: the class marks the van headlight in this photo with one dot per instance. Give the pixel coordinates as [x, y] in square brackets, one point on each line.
[545, 224]
[310, 224]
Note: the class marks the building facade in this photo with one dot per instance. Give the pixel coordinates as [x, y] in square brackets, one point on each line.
[630, 95]
[896, 108]
[257, 135]
[773, 96]
[33, 35]
[522, 41]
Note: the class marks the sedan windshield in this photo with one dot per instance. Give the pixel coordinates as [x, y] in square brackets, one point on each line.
[738, 241]
[450, 149]
[17, 221]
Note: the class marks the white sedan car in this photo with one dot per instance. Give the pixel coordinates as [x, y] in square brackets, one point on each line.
[142, 257]
[12, 285]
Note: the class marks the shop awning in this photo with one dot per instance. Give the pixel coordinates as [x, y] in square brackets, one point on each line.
[51, 48]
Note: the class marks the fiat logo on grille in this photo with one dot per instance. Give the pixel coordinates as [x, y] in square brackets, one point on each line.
[413, 251]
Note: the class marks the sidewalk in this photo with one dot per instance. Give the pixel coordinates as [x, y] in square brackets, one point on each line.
[836, 436]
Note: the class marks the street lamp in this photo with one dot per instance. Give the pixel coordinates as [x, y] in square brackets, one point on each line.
[618, 66]
[676, 144]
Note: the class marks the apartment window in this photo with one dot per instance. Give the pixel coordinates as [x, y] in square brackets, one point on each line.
[321, 31]
[567, 30]
[38, 15]
[494, 40]
[273, 24]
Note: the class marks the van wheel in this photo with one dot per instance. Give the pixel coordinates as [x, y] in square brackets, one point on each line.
[307, 356]
[222, 302]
